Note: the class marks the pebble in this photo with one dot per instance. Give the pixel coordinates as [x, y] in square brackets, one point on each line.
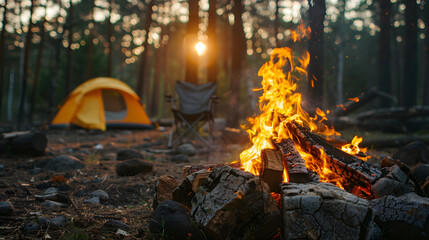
[31, 227]
[126, 154]
[35, 171]
[115, 224]
[6, 208]
[1, 167]
[93, 200]
[56, 222]
[133, 167]
[187, 149]
[53, 205]
[180, 158]
[64, 163]
[100, 194]
[51, 190]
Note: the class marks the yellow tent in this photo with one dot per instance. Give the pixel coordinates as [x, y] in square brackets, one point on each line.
[102, 102]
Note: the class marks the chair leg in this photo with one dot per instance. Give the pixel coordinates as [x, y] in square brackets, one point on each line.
[170, 139]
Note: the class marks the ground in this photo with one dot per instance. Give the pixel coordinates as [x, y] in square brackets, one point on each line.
[130, 197]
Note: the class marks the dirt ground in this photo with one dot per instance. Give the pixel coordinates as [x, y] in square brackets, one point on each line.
[130, 197]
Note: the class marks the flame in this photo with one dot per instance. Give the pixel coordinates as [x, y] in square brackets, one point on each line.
[280, 104]
[353, 148]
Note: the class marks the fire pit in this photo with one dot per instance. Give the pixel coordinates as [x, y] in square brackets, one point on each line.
[294, 184]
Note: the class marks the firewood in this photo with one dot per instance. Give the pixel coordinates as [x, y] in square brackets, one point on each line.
[350, 106]
[354, 171]
[29, 143]
[188, 170]
[396, 113]
[233, 204]
[189, 186]
[323, 211]
[272, 168]
[404, 217]
[295, 164]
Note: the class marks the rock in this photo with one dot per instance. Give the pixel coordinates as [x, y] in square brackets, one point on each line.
[56, 197]
[180, 158]
[164, 187]
[133, 167]
[6, 208]
[54, 223]
[404, 217]
[323, 211]
[115, 225]
[421, 172]
[31, 227]
[233, 204]
[93, 200]
[413, 153]
[1, 167]
[100, 194]
[396, 183]
[53, 205]
[173, 219]
[186, 149]
[51, 190]
[126, 154]
[64, 163]
[35, 171]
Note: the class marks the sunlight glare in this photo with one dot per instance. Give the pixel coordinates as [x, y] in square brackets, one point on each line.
[200, 48]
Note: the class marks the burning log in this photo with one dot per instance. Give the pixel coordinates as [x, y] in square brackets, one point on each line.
[188, 170]
[272, 168]
[189, 186]
[348, 167]
[233, 204]
[323, 211]
[295, 164]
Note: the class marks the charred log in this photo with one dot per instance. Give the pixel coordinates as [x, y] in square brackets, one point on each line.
[188, 170]
[233, 204]
[272, 168]
[30, 143]
[351, 105]
[350, 168]
[323, 211]
[295, 164]
[189, 186]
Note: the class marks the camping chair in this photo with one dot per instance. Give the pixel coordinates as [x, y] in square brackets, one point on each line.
[196, 107]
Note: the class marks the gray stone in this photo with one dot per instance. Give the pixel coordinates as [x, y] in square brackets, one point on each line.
[6, 208]
[64, 163]
[323, 211]
[404, 217]
[31, 227]
[100, 194]
[126, 154]
[133, 167]
[180, 158]
[48, 204]
[35, 171]
[173, 219]
[93, 200]
[51, 190]
[115, 225]
[56, 197]
[54, 223]
[187, 149]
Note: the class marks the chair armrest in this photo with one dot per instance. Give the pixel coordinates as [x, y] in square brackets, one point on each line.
[169, 98]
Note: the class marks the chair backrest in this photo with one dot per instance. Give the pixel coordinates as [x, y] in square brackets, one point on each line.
[195, 98]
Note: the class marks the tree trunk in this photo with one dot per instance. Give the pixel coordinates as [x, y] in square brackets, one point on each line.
[212, 43]
[410, 54]
[340, 73]
[90, 43]
[109, 39]
[315, 48]
[384, 54]
[38, 66]
[191, 72]
[238, 55]
[23, 77]
[69, 49]
[10, 96]
[2, 53]
[157, 82]
[426, 49]
[141, 81]
[54, 77]
[276, 24]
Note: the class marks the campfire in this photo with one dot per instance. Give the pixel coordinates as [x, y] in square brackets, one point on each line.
[296, 181]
